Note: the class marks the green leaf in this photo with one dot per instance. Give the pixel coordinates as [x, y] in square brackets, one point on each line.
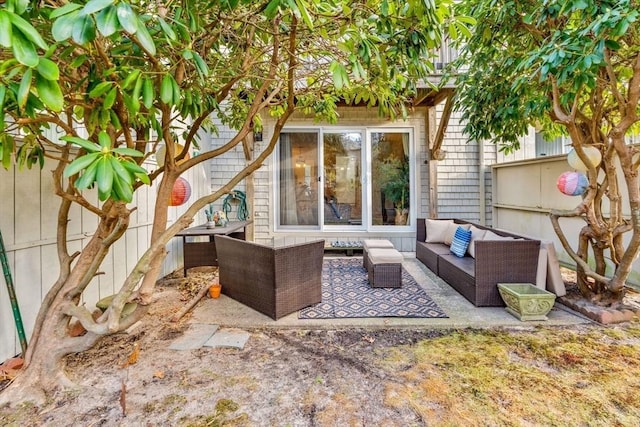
[48, 69]
[7, 149]
[130, 79]
[3, 91]
[302, 7]
[94, 6]
[126, 151]
[200, 64]
[105, 140]
[145, 39]
[147, 93]
[171, 35]
[6, 29]
[62, 28]
[86, 144]
[120, 171]
[79, 164]
[612, 44]
[104, 178]
[107, 21]
[271, 9]
[50, 93]
[100, 89]
[25, 87]
[121, 190]
[24, 51]
[20, 6]
[110, 99]
[88, 177]
[166, 89]
[127, 18]
[27, 29]
[83, 30]
[67, 8]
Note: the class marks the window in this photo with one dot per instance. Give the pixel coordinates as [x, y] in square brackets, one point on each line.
[332, 179]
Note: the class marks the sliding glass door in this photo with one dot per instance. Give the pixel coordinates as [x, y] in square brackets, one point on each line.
[342, 162]
[339, 179]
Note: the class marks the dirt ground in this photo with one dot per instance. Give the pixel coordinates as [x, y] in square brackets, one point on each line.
[280, 378]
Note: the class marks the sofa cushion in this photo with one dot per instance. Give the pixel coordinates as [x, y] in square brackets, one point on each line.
[437, 230]
[451, 231]
[476, 234]
[490, 235]
[460, 242]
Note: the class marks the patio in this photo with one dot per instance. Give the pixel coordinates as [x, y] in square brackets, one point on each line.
[227, 312]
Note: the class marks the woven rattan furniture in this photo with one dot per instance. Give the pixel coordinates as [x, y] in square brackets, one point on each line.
[506, 261]
[275, 281]
[198, 254]
[384, 268]
[373, 243]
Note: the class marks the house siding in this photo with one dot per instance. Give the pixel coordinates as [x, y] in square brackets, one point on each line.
[458, 176]
[460, 173]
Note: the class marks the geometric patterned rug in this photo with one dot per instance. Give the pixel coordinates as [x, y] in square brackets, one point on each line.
[346, 293]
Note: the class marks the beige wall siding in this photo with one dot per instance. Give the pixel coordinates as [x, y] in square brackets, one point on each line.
[28, 218]
[524, 194]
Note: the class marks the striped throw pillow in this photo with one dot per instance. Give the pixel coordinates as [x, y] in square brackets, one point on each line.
[460, 242]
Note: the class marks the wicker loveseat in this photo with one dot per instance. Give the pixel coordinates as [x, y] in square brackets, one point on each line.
[507, 259]
[275, 281]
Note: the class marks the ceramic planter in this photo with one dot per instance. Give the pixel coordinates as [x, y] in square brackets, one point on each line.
[526, 301]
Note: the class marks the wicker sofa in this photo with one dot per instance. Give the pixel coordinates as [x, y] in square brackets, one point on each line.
[275, 281]
[496, 261]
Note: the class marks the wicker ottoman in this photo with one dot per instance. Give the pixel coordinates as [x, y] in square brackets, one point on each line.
[385, 268]
[370, 244]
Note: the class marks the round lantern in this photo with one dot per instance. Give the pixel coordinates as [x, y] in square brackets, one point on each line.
[162, 152]
[180, 193]
[592, 153]
[572, 183]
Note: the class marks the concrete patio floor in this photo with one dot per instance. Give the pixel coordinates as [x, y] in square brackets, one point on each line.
[227, 312]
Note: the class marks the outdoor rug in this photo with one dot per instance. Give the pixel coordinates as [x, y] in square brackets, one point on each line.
[346, 293]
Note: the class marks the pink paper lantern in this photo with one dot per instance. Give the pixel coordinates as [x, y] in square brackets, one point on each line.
[572, 183]
[180, 193]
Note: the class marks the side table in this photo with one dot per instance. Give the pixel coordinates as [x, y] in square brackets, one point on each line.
[198, 254]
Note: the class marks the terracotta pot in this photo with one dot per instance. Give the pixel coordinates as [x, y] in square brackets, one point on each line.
[214, 290]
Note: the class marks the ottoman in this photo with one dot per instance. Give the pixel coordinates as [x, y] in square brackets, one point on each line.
[370, 244]
[385, 268]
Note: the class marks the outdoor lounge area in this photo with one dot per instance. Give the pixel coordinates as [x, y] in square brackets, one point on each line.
[460, 313]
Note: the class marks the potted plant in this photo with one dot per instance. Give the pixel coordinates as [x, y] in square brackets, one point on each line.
[208, 212]
[394, 175]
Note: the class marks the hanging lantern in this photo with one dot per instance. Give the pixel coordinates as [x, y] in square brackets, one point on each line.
[592, 153]
[180, 193]
[572, 183]
[162, 152]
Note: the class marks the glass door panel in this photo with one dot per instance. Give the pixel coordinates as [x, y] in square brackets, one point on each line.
[298, 172]
[390, 178]
[342, 178]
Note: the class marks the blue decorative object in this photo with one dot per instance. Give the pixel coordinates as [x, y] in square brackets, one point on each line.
[460, 242]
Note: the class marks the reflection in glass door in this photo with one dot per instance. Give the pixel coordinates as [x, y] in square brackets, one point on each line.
[390, 178]
[342, 178]
[298, 172]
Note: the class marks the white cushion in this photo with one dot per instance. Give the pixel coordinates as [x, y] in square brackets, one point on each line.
[451, 231]
[376, 243]
[437, 230]
[490, 235]
[476, 234]
[384, 256]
